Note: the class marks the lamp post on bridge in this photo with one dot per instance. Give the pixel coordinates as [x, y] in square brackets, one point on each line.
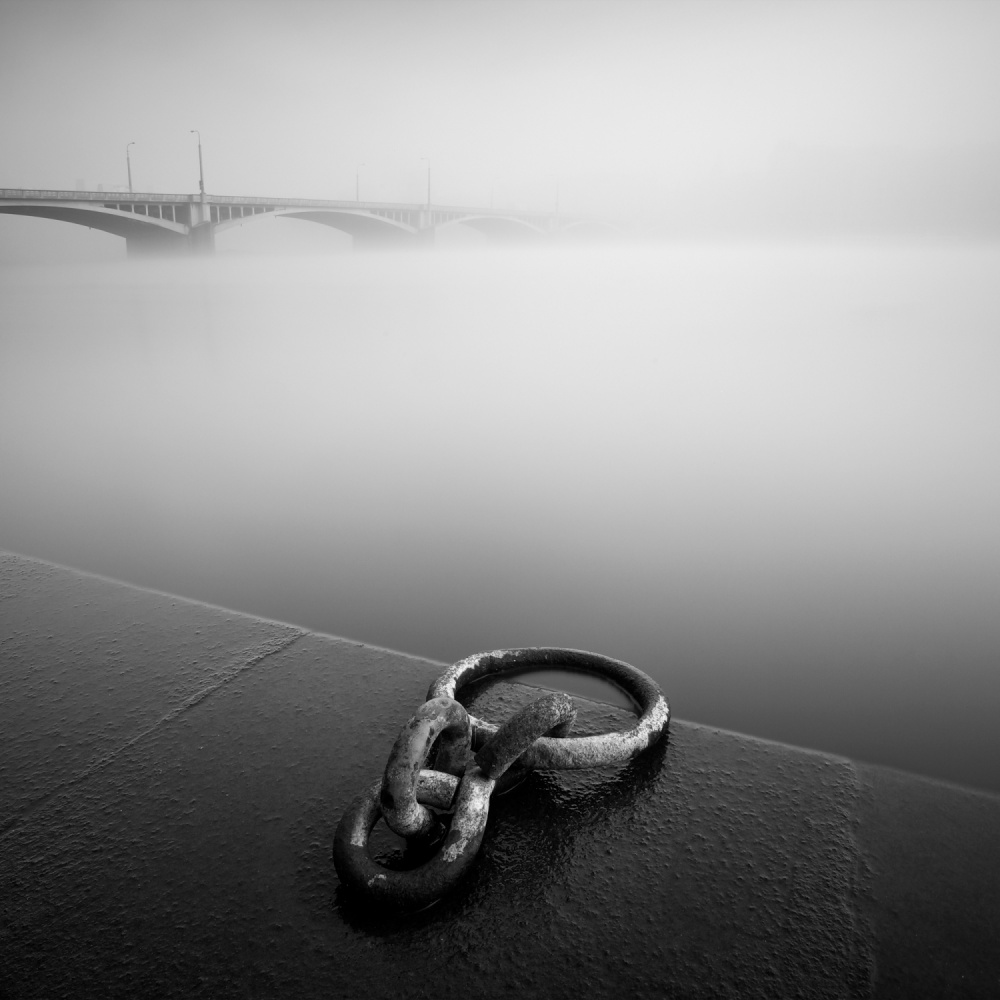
[428, 162]
[128, 164]
[202, 232]
[357, 181]
[201, 168]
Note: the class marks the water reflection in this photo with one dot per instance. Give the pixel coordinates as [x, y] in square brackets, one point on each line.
[763, 475]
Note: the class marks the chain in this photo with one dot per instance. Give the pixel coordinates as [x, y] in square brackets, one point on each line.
[412, 795]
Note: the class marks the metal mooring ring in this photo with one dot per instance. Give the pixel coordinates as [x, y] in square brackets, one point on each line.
[571, 752]
[423, 885]
[552, 713]
[439, 720]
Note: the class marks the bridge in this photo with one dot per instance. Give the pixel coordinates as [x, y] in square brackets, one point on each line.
[171, 223]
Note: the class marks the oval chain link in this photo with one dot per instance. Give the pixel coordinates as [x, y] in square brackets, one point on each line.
[441, 726]
[552, 713]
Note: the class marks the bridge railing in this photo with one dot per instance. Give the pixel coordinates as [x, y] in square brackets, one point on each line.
[29, 194]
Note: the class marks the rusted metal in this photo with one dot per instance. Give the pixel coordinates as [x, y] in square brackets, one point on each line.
[578, 752]
[428, 882]
[552, 714]
[440, 726]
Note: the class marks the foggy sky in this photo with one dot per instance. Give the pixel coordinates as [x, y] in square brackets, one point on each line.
[736, 114]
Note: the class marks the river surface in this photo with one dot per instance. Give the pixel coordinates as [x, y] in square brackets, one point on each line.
[767, 475]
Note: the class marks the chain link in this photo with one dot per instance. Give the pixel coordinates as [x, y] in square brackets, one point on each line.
[440, 725]
[431, 772]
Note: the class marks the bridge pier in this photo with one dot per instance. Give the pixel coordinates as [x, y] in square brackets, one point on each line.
[154, 244]
[201, 239]
[201, 236]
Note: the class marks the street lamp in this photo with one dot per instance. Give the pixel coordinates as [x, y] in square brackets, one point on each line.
[428, 162]
[128, 163]
[357, 181]
[201, 169]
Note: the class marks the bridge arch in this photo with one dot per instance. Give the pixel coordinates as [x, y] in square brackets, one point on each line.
[366, 228]
[141, 232]
[500, 228]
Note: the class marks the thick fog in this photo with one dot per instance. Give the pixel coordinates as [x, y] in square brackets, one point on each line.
[673, 117]
[750, 446]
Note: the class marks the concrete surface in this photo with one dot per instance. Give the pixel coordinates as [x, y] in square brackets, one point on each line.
[171, 776]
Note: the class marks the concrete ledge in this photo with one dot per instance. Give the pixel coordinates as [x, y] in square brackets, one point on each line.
[172, 775]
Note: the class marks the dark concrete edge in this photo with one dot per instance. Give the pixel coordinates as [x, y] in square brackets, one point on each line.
[864, 767]
[860, 765]
[303, 631]
[904, 852]
[222, 609]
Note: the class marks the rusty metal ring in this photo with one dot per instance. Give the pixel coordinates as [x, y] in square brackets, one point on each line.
[442, 723]
[551, 714]
[418, 886]
[572, 752]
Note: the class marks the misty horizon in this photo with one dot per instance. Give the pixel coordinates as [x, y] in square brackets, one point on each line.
[748, 448]
[764, 119]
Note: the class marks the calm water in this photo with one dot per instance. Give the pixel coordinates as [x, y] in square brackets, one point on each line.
[768, 476]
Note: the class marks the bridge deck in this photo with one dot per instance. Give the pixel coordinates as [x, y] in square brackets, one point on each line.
[122, 197]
